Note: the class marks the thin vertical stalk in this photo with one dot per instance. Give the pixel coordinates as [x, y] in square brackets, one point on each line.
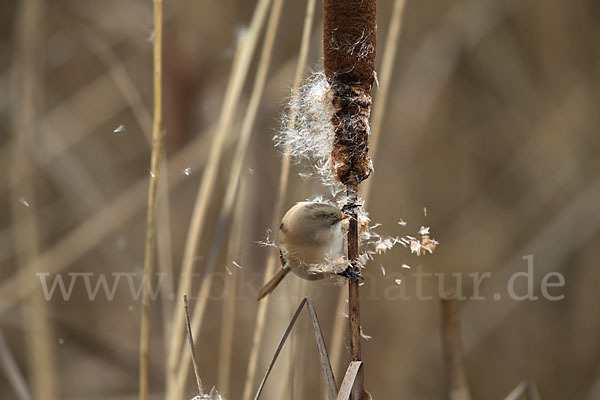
[234, 177]
[155, 163]
[354, 295]
[277, 211]
[239, 72]
[228, 314]
[385, 77]
[26, 91]
[192, 347]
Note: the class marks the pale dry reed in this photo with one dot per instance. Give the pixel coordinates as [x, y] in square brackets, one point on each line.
[26, 91]
[155, 164]
[234, 177]
[238, 75]
[277, 212]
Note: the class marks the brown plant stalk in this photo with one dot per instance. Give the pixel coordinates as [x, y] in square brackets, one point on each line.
[349, 40]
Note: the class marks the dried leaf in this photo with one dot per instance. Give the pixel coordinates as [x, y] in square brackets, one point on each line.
[348, 381]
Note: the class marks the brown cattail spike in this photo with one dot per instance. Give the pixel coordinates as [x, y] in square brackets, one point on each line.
[349, 40]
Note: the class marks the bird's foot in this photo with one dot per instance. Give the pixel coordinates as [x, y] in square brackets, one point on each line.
[350, 206]
[352, 271]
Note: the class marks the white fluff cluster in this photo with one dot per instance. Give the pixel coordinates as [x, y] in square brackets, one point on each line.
[306, 133]
[371, 242]
[268, 241]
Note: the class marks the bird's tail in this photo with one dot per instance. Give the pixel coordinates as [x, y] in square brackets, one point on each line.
[274, 281]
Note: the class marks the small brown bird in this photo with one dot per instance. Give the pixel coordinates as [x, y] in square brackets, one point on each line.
[311, 237]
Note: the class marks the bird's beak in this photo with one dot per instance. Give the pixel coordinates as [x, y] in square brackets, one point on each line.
[346, 216]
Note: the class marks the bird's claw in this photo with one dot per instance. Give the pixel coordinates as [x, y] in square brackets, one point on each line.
[350, 206]
[351, 272]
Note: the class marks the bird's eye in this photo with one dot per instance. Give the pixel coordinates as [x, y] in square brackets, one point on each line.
[334, 219]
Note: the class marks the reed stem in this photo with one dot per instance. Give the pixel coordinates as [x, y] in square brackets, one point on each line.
[155, 163]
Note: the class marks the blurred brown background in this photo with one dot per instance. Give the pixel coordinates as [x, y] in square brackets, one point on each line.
[491, 124]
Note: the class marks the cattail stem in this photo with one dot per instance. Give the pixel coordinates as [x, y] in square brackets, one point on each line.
[349, 39]
[354, 295]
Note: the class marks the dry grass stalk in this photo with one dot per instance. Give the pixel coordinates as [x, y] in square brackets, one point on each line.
[234, 177]
[26, 84]
[239, 72]
[323, 358]
[155, 163]
[454, 365]
[278, 208]
[234, 251]
[192, 347]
